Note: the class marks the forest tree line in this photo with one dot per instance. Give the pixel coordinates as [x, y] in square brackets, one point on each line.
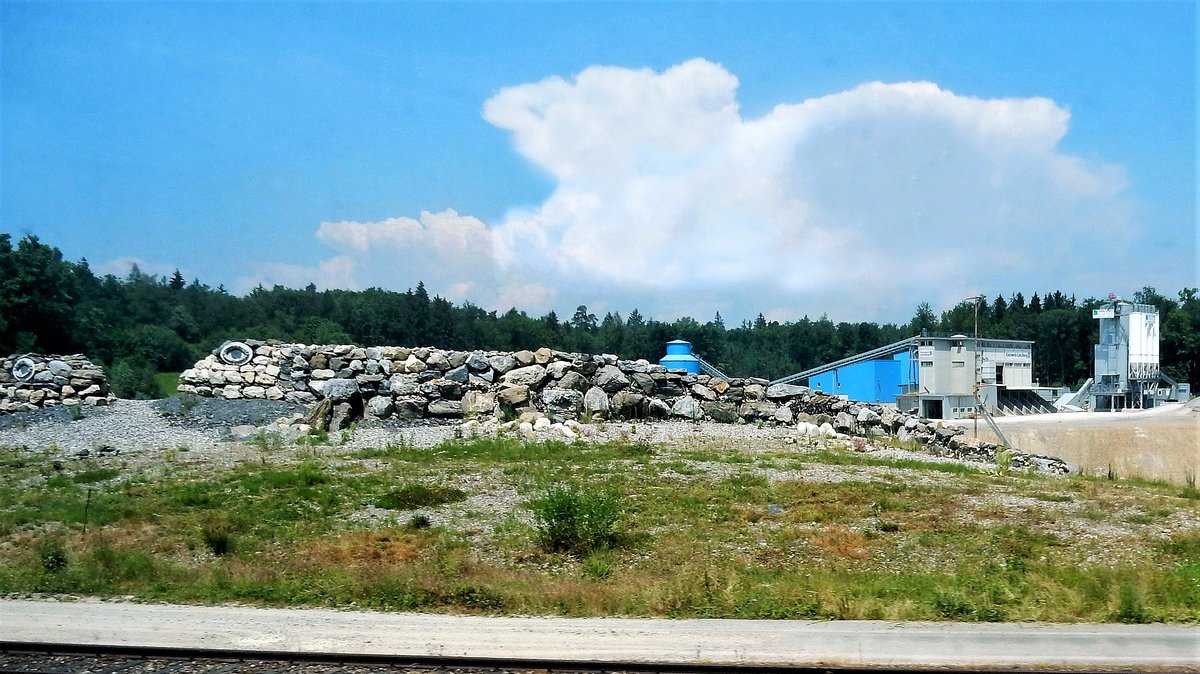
[143, 324]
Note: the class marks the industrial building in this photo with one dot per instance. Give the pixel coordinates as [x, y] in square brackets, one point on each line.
[937, 377]
[1127, 373]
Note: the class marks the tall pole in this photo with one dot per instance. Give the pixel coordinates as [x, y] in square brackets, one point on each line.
[975, 351]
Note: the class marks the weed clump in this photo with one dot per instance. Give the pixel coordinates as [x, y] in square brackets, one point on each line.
[1130, 610]
[419, 495]
[574, 521]
[217, 538]
[53, 555]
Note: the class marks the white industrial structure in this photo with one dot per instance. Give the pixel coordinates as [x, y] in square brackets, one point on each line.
[1127, 372]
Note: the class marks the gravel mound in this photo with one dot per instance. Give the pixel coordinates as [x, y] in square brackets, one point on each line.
[124, 426]
[208, 413]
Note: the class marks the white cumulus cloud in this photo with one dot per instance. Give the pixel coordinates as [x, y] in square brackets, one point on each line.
[861, 203]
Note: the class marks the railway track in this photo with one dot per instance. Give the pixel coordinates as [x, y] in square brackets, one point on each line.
[26, 658]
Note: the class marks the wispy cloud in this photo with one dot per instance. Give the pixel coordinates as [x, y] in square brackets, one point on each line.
[855, 203]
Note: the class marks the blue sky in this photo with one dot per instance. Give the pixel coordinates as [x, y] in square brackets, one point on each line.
[682, 158]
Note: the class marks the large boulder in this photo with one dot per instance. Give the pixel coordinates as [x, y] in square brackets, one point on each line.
[502, 363]
[596, 402]
[380, 407]
[721, 411]
[628, 405]
[687, 408]
[530, 375]
[562, 401]
[445, 408]
[611, 379]
[574, 380]
[340, 390]
[513, 396]
[782, 391]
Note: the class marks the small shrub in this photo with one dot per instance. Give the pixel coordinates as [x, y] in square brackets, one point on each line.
[187, 402]
[53, 555]
[419, 521]
[1131, 611]
[569, 520]
[217, 538]
[76, 412]
[598, 566]
[419, 495]
[888, 527]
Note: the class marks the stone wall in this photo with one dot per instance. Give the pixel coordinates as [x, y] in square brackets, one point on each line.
[415, 383]
[31, 381]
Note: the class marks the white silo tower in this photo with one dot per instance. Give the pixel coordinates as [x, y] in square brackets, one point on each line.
[1127, 355]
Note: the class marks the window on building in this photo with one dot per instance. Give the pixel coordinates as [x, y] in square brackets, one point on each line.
[959, 363]
[927, 363]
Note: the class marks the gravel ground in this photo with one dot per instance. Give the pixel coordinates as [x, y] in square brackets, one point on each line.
[143, 428]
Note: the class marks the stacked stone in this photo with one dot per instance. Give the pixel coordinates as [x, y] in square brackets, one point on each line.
[415, 383]
[32, 381]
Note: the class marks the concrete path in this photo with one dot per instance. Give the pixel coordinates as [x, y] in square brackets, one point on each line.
[847, 643]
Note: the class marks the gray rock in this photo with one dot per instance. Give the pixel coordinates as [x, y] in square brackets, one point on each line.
[754, 392]
[380, 407]
[524, 358]
[723, 412]
[513, 396]
[868, 417]
[629, 405]
[478, 402]
[562, 401]
[459, 374]
[781, 391]
[339, 390]
[644, 382]
[445, 408]
[687, 408]
[59, 368]
[410, 407]
[403, 385]
[611, 379]
[530, 375]
[843, 422]
[558, 368]
[502, 363]
[243, 433]
[343, 415]
[784, 415]
[703, 392]
[437, 360]
[757, 409]
[573, 380]
[657, 409]
[477, 362]
[596, 402]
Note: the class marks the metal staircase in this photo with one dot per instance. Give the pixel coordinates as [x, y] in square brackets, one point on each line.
[873, 354]
[710, 369]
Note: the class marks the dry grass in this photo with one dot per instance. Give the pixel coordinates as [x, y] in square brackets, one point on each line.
[769, 531]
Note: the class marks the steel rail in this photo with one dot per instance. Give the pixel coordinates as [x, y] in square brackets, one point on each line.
[251, 659]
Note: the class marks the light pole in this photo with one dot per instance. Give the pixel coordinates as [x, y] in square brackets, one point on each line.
[975, 350]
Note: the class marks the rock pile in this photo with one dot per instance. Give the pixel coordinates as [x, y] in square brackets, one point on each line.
[349, 382]
[31, 381]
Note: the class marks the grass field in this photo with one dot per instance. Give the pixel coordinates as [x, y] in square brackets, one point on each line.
[692, 529]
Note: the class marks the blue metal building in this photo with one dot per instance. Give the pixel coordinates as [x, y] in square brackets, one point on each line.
[875, 381]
